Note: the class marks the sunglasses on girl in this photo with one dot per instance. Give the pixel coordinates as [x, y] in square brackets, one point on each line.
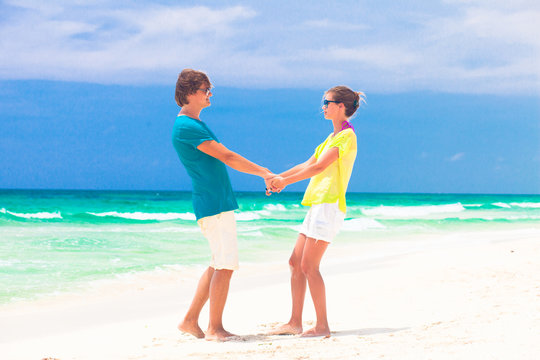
[326, 102]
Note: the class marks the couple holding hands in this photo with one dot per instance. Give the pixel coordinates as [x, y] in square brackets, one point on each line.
[204, 158]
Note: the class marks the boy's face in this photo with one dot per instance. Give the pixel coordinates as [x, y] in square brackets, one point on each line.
[201, 98]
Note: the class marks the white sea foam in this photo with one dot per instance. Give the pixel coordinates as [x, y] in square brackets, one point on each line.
[357, 224]
[472, 205]
[246, 216]
[526, 205]
[9, 262]
[296, 227]
[178, 229]
[275, 207]
[147, 216]
[408, 212]
[252, 234]
[39, 215]
[532, 217]
[503, 205]
[245, 228]
[361, 224]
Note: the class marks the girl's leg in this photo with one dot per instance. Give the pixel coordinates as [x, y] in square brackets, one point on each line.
[298, 291]
[313, 252]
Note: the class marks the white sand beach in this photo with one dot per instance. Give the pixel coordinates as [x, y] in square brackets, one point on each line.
[468, 296]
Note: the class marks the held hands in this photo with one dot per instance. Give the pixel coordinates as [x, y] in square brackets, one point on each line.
[268, 184]
[278, 183]
[274, 183]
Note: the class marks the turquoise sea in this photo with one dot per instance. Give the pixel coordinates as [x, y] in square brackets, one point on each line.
[56, 241]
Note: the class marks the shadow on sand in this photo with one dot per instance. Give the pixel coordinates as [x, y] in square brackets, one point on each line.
[357, 332]
[364, 332]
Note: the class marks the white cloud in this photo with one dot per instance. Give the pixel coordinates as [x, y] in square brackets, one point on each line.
[457, 157]
[139, 40]
[331, 25]
[478, 47]
[380, 56]
[502, 5]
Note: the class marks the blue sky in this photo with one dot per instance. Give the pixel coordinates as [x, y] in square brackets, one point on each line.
[453, 89]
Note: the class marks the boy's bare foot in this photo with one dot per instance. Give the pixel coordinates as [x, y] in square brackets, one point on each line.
[218, 335]
[191, 328]
[286, 329]
[313, 332]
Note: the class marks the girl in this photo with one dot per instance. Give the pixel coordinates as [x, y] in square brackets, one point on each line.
[329, 168]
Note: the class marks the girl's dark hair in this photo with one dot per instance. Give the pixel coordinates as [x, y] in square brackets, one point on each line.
[188, 82]
[351, 99]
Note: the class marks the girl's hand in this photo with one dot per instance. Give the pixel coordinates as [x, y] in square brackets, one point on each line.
[268, 182]
[278, 184]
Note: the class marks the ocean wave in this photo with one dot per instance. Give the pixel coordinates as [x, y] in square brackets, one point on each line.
[251, 234]
[357, 224]
[408, 212]
[296, 228]
[9, 262]
[532, 217]
[502, 205]
[361, 224]
[38, 215]
[147, 216]
[246, 216]
[526, 205]
[259, 214]
[275, 207]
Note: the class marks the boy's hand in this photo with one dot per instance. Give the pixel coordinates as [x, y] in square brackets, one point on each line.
[268, 182]
[278, 183]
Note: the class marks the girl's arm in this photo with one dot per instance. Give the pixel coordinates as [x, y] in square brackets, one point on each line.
[306, 171]
[312, 160]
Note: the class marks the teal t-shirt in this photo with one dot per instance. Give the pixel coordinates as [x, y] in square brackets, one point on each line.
[212, 190]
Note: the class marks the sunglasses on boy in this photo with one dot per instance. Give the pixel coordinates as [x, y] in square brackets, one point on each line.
[206, 91]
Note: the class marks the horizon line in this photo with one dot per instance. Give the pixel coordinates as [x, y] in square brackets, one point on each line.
[258, 191]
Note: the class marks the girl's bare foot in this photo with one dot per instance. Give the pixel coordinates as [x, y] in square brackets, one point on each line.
[191, 328]
[286, 329]
[218, 335]
[325, 332]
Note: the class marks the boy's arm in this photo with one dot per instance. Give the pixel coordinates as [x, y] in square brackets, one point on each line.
[232, 159]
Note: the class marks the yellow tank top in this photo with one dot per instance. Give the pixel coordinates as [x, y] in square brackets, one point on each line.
[330, 185]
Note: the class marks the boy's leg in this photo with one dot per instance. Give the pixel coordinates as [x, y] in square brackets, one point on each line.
[223, 243]
[190, 324]
[219, 289]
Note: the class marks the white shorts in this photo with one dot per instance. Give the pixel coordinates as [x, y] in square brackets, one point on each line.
[220, 230]
[323, 222]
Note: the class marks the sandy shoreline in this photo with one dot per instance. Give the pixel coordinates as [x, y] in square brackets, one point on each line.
[469, 296]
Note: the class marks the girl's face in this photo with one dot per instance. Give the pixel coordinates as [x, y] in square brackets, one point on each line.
[330, 108]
